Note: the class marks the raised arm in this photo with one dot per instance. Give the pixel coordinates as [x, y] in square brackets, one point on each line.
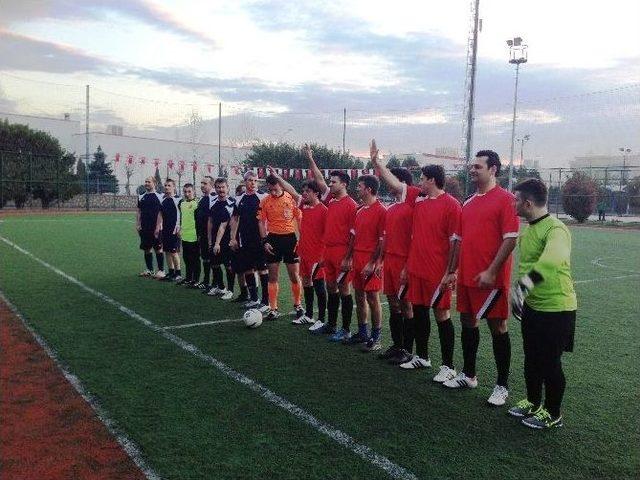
[286, 186]
[317, 173]
[387, 177]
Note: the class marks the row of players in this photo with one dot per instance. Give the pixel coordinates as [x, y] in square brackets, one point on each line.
[417, 252]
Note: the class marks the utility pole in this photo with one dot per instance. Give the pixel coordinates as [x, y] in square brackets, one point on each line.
[86, 153]
[220, 139]
[344, 128]
[517, 56]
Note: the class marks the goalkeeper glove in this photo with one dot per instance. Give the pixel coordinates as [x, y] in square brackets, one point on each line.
[520, 291]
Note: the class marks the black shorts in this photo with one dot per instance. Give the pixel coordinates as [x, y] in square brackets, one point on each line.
[284, 248]
[170, 242]
[222, 258]
[248, 257]
[556, 329]
[148, 240]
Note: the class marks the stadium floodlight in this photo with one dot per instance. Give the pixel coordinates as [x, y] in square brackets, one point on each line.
[517, 56]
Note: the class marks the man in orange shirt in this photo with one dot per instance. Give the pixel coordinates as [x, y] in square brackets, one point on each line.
[277, 215]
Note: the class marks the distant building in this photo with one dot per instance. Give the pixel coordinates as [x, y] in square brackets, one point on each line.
[608, 167]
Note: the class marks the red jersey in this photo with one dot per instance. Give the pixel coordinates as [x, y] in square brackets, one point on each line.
[487, 219]
[312, 229]
[397, 229]
[436, 221]
[340, 217]
[369, 227]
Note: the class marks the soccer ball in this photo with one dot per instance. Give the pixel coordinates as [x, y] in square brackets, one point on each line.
[252, 318]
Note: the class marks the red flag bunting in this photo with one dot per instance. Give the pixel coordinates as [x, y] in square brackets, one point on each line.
[261, 172]
[143, 160]
[354, 173]
[156, 162]
[310, 174]
[194, 165]
[285, 173]
[170, 164]
[181, 165]
[117, 158]
[129, 159]
[298, 174]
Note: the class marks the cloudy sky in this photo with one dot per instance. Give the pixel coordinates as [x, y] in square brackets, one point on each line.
[285, 70]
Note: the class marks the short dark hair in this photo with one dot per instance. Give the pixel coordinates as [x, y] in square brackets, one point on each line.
[169, 180]
[210, 178]
[220, 180]
[239, 188]
[272, 180]
[402, 174]
[312, 185]
[493, 159]
[533, 189]
[344, 178]
[371, 182]
[188, 185]
[436, 172]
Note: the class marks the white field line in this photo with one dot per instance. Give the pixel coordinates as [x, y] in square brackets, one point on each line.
[338, 436]
[598, 263]
[603, 279]
[125, 442]
[213, 322]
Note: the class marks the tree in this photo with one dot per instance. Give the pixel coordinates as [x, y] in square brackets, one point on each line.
[452, 187]
[410, 162]
[159, 186]
[633, 191]
[101, 177]
[579, 196]
[286, 155]
[519, 173]
[37, 165]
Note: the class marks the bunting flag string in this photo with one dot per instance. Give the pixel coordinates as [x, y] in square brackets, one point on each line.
[237, 170]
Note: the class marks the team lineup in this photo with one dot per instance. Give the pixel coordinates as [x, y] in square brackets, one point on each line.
[418, 252]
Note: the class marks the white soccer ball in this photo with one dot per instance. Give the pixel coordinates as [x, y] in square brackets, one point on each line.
[252, 318]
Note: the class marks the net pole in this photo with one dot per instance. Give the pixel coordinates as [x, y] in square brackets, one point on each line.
[86, 153]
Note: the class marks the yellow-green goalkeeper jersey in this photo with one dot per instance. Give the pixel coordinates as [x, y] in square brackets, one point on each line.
[545, 247]
[188, 227]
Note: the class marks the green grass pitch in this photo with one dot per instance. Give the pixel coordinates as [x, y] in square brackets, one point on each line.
[191, 421]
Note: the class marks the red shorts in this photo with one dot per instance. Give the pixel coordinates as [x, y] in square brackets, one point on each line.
[483, 302]
[393, 265]
[309, 263]
[425, 292]
[333, 257]
[371, 284]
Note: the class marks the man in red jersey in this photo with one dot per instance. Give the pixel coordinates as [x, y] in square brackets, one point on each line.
[341, 214]
[397, 239]
[488, 233]
[310, 248]
[364, 258]
[430, 269]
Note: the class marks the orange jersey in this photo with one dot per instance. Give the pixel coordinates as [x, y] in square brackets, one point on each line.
[280, 213]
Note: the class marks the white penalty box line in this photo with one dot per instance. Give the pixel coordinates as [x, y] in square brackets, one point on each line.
[338, 436]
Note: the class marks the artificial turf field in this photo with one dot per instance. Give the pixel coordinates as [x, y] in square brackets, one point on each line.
[191, 420]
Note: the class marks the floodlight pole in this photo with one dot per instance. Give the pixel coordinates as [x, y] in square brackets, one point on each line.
[517, 55]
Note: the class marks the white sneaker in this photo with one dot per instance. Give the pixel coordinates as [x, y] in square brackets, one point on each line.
[499, 396]
[227, 295]
[444, 374]
[213, 292]
[251, 304]
[303, 320]
[263, 308]
[461, 380]
[415, 363]
[160, 275]
[316, 326]
[146, 273]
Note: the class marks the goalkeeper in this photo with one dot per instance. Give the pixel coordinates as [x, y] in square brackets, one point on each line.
[545, 301]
